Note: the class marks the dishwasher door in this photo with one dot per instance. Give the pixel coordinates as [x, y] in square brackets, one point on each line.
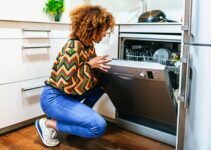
[141, 93]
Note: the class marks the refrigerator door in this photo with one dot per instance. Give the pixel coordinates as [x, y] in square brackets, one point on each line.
[197, 131]
[197, 22]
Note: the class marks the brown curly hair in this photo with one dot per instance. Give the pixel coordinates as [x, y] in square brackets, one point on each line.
[91, 23]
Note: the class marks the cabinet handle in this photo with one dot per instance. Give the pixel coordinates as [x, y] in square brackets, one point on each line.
[185, 73]
[32, 88]
[34, 47]
[30, 30]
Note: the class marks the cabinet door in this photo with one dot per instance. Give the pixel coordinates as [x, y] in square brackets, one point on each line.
[59, 31]
[56, 46]
[109, 45]
[20, 101]
[20, 62]
[59, 35]
[10, 30]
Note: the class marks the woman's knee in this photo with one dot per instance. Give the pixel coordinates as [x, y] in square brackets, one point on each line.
[99, 127]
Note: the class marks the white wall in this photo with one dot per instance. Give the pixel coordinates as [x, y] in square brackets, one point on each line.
[128, 11]
[125, 11]
[172, 8]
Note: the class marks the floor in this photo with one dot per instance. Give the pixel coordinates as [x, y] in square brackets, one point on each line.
[115, 138]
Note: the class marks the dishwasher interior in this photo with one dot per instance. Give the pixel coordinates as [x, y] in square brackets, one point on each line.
[143, 83]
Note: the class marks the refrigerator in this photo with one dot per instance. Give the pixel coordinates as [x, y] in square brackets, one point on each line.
[194, 113]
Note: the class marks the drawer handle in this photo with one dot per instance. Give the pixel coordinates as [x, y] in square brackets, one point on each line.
[32, 88]
[34, 47]
[29, 30]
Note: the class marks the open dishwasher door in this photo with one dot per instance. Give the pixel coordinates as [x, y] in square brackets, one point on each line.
[143, 97]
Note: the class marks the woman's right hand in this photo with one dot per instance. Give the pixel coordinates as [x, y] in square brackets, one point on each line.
[100, 62]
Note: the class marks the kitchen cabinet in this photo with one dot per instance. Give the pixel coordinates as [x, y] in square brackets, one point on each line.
[33, 45]
[28, 50]
[20, 101]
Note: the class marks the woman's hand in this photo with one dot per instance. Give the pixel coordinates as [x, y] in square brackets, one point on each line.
[100, 62]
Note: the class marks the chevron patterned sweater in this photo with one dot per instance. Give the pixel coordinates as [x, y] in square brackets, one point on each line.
[71, 73]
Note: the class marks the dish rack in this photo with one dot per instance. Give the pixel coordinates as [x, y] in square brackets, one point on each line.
[171, 65]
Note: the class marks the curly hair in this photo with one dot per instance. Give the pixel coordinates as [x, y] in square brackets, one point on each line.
[89, 22]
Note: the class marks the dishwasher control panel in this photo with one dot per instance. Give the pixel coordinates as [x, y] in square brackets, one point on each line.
[151, 75]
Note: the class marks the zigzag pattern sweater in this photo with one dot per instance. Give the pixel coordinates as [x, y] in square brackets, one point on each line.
[71, 73]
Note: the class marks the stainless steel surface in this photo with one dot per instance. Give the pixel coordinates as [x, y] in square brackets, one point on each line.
[146, 98]
[152, 37]
[183, 94]
[190, 18]
[35, 47]
[184, 85]
[139, 83]
[148, 132]
[30, 30]
[194, 109]
[32, 88]
[180, 126]
[187, 21]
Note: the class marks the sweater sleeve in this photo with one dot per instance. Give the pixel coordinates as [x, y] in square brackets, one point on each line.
[74, 76]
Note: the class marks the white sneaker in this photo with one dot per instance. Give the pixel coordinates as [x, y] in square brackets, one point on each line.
[48, 135]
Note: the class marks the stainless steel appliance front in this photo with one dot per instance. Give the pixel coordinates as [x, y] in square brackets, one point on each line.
[142, 83]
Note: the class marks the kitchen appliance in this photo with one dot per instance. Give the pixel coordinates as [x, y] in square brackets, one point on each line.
[142, 81]
[194, 121]
[154, 16]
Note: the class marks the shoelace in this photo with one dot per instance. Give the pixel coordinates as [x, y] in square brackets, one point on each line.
[53, 134]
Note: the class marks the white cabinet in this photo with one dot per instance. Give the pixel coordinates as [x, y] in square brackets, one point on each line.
[30, 53]
[27, 53]
[20, 101]
[10, 30]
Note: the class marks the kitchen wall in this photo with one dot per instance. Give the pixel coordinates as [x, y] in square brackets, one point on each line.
[126, 11]
[172, 8]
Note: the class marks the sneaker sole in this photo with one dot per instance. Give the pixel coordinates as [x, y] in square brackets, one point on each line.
[40, 133]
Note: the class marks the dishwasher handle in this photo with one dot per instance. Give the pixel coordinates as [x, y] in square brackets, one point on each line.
[124, 76]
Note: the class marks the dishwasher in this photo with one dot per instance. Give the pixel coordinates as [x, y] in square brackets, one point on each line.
[142, 84]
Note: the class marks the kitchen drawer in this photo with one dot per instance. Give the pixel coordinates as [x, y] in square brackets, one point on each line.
[35, 30]
[10, 30]
[23, 59]
[44, 30]
[19, 63]
[56, 46]
[20, 101]
[59, 30]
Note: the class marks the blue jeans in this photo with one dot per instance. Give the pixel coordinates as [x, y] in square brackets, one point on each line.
[71, 115]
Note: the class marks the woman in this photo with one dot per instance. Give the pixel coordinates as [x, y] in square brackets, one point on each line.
[72, 80]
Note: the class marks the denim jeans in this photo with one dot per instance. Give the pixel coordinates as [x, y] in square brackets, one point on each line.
[71, 115]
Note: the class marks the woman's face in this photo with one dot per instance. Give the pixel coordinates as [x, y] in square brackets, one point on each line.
[100, 36]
